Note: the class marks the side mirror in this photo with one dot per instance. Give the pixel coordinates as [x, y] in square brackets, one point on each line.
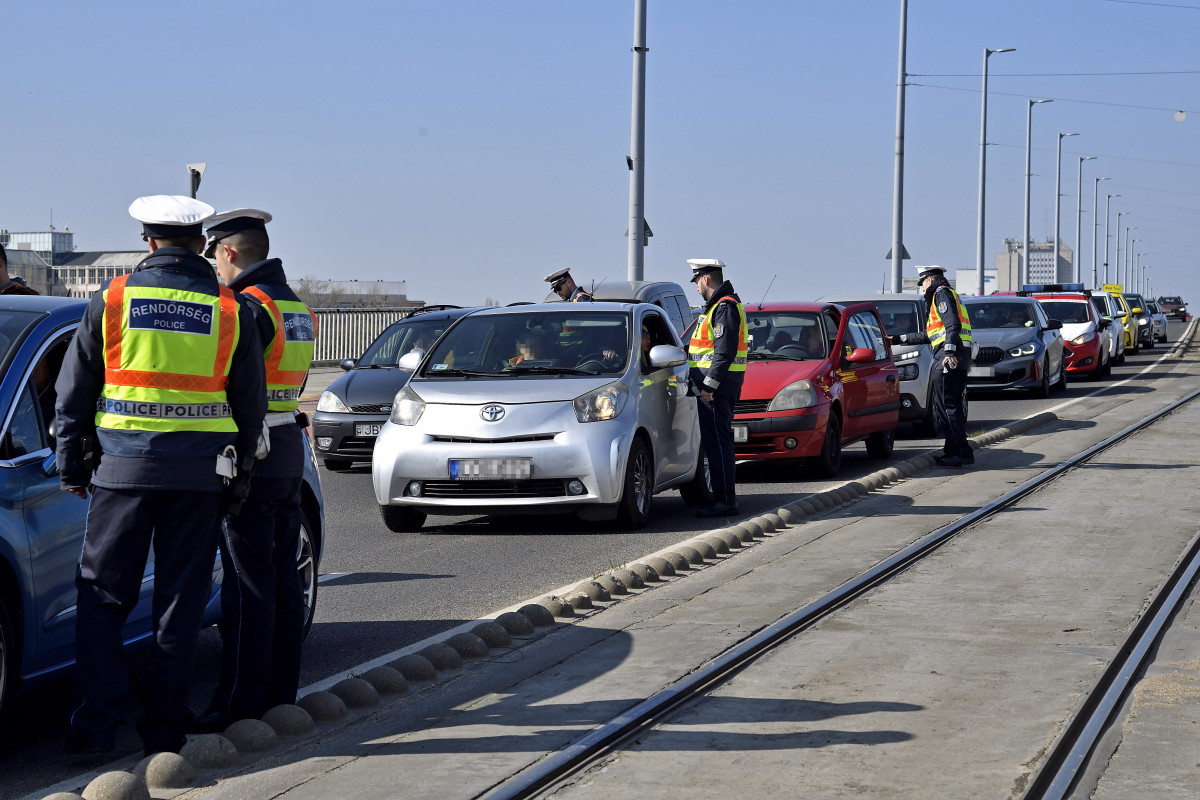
[1053, 324]
[347, 364]
[861, 355]
[1105, 322]
[410, 361]
[667, 355]
[1138, 310]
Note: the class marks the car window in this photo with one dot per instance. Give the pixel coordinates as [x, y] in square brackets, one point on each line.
[1100, 306]
[785, 335]
[900, 316]
[864, 332]
[13, 327]
[401, 338]
[995, 314]
[25, 432]
[659, 332]
[1067, 311]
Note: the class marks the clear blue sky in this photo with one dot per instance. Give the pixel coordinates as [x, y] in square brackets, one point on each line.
[469, 147]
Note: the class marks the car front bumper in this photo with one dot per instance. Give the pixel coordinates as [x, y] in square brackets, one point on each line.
[348, 436]
[1011, 373]
[781, 434]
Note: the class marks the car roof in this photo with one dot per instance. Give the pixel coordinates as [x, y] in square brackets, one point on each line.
[438, 312]
[785, 305]
[43, 303]
[1062, 296]
[997, 298]
[561, 307]
[842, 301]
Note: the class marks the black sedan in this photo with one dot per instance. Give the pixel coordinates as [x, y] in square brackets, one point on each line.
[354, 407]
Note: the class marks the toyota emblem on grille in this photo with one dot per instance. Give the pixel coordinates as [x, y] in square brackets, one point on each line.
[492, 413]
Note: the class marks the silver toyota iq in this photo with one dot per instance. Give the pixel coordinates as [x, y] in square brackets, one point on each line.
[557, 407]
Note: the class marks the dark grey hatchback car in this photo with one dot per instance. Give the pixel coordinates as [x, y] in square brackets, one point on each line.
[352, 410]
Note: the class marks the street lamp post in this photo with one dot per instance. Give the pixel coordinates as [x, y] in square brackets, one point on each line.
[1096, 227]
[1058, 197]
[1107, 203]
[1075, 256]
[1129, 256]
[983, 165]
[898, 175]
[1118, 266]
[1028, 152]
[637, 158]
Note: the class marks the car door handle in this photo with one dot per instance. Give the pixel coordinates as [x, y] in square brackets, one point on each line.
[891, 378]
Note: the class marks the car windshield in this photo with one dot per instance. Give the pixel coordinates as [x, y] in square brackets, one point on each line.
[986, 315]
[1135, 301]
[13, 327]
[900, 316]
[401, 338]
[1066, 311]
[785, 335]
[1174, 301]
[534, 343]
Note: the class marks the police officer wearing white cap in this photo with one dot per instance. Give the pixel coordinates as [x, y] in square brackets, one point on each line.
[161, 388]
[948, 329]
[717, 367]
[262, 596]
[563, 285]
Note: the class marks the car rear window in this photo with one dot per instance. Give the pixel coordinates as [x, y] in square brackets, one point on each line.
[985, 315]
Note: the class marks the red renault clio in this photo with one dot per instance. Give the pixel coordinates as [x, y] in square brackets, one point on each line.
[819, 376]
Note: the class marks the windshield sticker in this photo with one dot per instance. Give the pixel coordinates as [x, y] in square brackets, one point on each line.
[440, 366]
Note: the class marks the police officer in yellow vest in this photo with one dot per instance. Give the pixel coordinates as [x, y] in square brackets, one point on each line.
[163, 380]
[948, 330]
[262, 597]
[717, 368]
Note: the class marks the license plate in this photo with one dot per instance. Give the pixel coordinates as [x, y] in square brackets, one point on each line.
[741, 433]
[983, 372]
[478, 469]
[367, 428]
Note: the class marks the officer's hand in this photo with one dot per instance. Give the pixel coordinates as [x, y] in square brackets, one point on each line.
[897, 338]
[706, 396]
[78, 491]
[950, 361]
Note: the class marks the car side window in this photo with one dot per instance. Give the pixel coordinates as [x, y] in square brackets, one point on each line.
[657, 327]
[25, 434]
[864, 332]
[1041, 315]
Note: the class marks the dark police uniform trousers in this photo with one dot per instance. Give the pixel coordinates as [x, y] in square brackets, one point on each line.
[716, 438]
[949, 393]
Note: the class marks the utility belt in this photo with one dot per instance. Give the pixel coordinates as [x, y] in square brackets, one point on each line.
[274, 419]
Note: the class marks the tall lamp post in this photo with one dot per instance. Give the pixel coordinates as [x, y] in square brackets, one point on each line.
[1075, 256]
[637, 158]
[1118, 253]
[1096, 227]
[983, 165]
[1058, 198]
[1129, 276]
[1107, 216]
[898, 176]
[1028, 151]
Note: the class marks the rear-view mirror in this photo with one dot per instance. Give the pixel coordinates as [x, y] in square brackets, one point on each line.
[666, 355]
[861, 355]
[410, 361]
[347, 364]
[1105, 322]
[1053, 324]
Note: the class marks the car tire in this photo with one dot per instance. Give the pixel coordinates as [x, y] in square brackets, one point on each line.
[637, 492]
[881, 443]
[698, 491]
[8, 660]
[927, 426]
[1060, 385]
[338, 464]
[400, 519]
[306, 564]
[829, 462]
[1042, 390]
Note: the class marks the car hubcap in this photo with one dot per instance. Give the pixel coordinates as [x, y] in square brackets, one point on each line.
[641, 480]
[307, 568]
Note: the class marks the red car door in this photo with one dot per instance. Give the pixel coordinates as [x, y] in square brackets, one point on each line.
[872, 387]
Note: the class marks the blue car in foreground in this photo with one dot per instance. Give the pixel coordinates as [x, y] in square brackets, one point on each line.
[41, 526]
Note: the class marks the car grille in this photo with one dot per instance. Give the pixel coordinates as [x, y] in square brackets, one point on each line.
[372, 409]
[750, 406]
[989, 355]
[538, 487]
[533, 437]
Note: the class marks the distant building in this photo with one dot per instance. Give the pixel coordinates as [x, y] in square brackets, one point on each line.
[82, 274]
[353, 294]
[1006, 277]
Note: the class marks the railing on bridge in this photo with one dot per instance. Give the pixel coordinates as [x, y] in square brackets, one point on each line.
[346, 332]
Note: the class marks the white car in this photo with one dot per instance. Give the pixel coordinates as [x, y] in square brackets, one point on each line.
[552, 408]
[1108, 308]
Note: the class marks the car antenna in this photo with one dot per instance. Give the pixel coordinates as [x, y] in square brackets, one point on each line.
[769, 285]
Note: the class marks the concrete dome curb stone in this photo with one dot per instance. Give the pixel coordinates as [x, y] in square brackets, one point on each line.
[468, 645]
[116, 786]
[355, 693]
[539, 615]
[209, 751]
[386, 680]
[493, 634]
[707, 551]
[679, 561]
[416, 667]
[731, 539]
[690, 553]
[662, 566]
[323, 706]
[789, 515]
[166, 771]
[290, 720]
[516, 624]
[557, 606]
[580, 601]
[775, 519]
[442, 656]
[612, 584]
[63, 796]
[594, 590]
[628, 577]
[647, 573]
[720, 546]
[251, 736]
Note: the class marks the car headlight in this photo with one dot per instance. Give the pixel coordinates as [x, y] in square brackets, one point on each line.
[331, 402]
[1141, 322]
[1023, 350]
[1084, 339]
[604, 403]
[908, 372]
[407, 408]
[911, 354]
[800, 394]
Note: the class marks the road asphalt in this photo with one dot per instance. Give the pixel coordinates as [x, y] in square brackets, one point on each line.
[949, 681]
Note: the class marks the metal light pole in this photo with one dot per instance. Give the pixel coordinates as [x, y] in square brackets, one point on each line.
[1106, 218]
[195, 174]
[1028, 151]
[1096, 228]
[1129, 256]
[637, 144]
[1079, 219]
[1118, 253]
[898, 179]
[1058, 197]
[1137, 272]
[983, 165]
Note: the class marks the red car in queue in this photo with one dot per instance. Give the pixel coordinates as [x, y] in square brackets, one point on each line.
[818, 377]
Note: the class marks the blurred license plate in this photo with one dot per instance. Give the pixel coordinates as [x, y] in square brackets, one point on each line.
[983, 372]
[468, 469]
[741, 433]
[367, 428]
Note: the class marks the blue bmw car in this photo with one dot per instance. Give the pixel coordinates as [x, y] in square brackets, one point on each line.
[41, 526]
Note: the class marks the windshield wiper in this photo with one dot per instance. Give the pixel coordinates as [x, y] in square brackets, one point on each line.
[462, 373]
[551, 371]
[775, 357]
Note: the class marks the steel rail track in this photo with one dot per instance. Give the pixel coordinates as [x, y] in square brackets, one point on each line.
[611, 735]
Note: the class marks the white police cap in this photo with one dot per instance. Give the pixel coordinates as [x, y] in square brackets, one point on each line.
[930, 269]
[228, 223]
[169, 215]
[555, 279]
[703, 266]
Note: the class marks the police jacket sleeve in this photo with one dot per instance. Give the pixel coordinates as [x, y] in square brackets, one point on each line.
[247, 387]
[911, 338]
[947, 306]
[79, 384]
[728, 321]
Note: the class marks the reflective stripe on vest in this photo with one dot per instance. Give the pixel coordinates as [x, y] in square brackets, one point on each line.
[703, 344]
[148, 329]
[289, 354]
[936, 329]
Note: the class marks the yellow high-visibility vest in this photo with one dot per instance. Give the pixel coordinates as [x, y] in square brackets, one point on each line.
[702, 345]
[289, 354]
[936, 329]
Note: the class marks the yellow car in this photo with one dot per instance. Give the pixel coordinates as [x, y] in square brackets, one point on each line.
[1128, 321]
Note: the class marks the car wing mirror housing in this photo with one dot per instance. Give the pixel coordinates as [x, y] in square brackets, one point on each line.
[861, 355]
[1053, 324]
[410, 361]
[1105, 322]
[347, 364]
[667, 355]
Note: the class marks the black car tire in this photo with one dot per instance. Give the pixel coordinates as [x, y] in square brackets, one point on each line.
[1061, 384]
[633, 510]
[830, 461]
[881, 443]
[338, 464]
[400, 519]
[306, 564]
[927, 425]
[698, 491]
[1042, 390]
[8, 660]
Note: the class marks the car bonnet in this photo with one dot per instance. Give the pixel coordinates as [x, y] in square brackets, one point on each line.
[517, 389]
